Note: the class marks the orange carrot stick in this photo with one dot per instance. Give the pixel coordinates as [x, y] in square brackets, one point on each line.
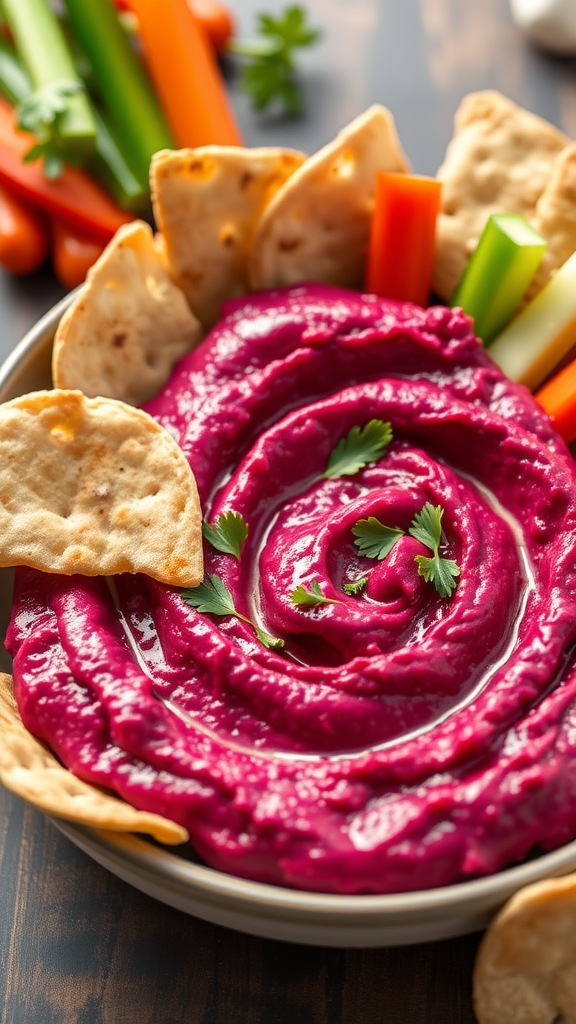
[185, 74]
[74, 196]
[23, 236]
[72, 254]
[401, 253]
[558, 399]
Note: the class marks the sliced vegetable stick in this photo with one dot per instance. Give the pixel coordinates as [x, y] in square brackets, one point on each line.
[535, 342]
[499, 272]
[23, 236]
[401, 253]
[558, 398]
[72, 254]
[185, 73]
[43, 50]
[121, 79]
[74, 197]
[215, 20]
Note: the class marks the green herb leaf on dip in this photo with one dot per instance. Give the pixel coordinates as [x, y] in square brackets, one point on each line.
[313, 597]
[374, 540]
[427, 528]
[356, 587]
[228, 533]
[360, 447]
[214, 598]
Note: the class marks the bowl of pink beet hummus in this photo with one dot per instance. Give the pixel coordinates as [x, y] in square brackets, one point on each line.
[401, 745]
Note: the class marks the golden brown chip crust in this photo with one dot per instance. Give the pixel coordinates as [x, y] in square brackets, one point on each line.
[29, 769]
[555, 217]
[128, 326]
[500, 160]
[207, 203]
[96, 487]
[525, 971]
[318, 224]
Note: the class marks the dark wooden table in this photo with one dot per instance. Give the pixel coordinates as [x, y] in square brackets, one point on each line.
[78, 946]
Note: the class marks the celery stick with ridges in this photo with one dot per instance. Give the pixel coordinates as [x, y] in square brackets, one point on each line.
[45, 56]
[122, 83]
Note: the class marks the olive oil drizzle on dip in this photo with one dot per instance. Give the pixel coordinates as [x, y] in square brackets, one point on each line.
[433, 746]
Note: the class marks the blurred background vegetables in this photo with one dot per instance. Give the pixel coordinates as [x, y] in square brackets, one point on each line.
[91, 90]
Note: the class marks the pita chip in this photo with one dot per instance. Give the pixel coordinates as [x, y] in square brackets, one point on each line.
[525, 971]
[555, 217]
[318, 224]
[95, 487]
[500, 160]
[207, 203]
[30, 770]
[128, 326]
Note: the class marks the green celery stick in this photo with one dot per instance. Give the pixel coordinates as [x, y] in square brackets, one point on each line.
[122, 83]
[43, 51]
[108, 162]
[15, 85]
[498, 274]
[110, 166]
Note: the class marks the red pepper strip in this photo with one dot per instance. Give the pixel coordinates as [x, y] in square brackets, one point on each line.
[401, 252]
[74, 197]
[558, 399]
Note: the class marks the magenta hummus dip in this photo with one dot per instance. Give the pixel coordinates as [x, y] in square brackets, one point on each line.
[400, 740]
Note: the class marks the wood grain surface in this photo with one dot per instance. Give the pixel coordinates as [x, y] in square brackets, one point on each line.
[78, 946]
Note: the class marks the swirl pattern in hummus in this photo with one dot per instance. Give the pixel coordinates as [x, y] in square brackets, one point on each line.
[401, 740]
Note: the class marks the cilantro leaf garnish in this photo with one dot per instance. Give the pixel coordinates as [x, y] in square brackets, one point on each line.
[374, 540]
[427, 528]
[214, 598]
[40, 113]
[361, 446]
[228, 533]
[356, 586]
[311, 598]
[270, 75]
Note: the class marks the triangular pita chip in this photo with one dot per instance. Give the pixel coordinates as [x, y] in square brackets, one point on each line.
[128, 326]
[28, 769]
[500, 160]
[555, 217]
[525, 972]
[318, 224]
[207, 203]
[96, 487]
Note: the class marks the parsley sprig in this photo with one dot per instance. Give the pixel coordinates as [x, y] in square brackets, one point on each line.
[228, 533]
[40, 113]
[360, 447]
[375, 540]
[270, 75]
[311, 598]
[213, 597]
[356, 586]
[427, 528]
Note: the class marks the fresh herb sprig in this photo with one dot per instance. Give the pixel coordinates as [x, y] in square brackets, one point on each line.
[270, 76]
[228, 533]
[360, 447]
[41, 113]
[213, 597]
[356, 586]
[375, 540]
[312, 598]
[427, 528]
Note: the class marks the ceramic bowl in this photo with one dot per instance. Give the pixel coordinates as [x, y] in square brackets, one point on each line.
[265, 910]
